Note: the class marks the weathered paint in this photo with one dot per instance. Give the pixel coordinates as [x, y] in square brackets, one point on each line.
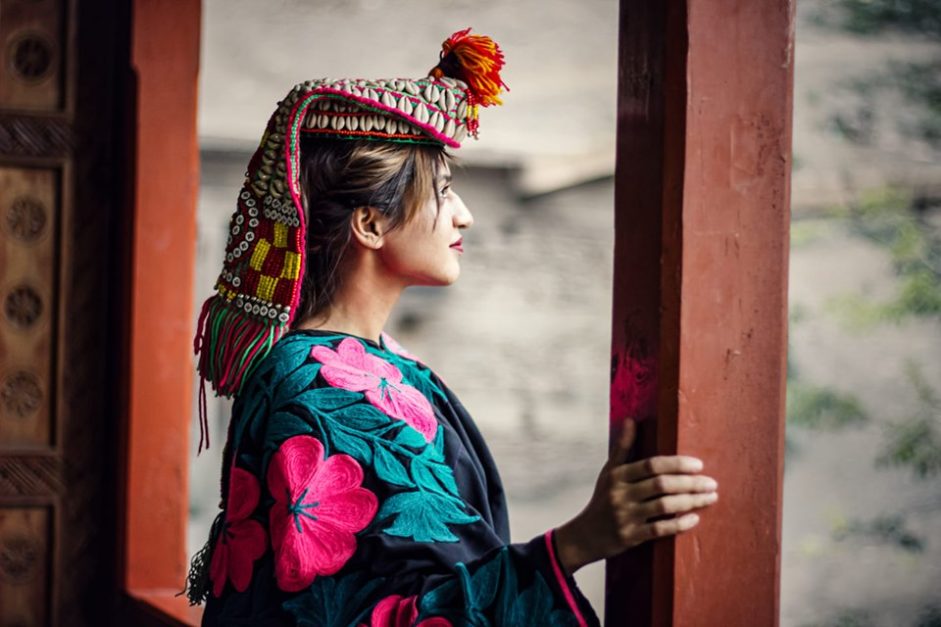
[164, 167]
[702, 214]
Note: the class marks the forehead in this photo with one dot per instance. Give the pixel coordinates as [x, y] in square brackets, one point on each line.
[444, 170]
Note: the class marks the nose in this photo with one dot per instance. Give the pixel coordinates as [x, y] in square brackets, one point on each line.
[463, 218]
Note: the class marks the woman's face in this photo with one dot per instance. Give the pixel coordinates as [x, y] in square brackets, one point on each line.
[426, 249]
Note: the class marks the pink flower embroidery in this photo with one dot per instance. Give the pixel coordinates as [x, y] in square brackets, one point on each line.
[398, 611]
[394, 347]
[242, 540]
[352, 368]
[319, 505]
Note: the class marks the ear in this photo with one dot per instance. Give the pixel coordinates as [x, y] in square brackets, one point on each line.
[368, 226]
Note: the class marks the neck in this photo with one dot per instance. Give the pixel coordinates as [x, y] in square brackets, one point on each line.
[362, 304]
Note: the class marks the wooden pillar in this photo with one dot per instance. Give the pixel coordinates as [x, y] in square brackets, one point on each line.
[163, 171]
[700, 294]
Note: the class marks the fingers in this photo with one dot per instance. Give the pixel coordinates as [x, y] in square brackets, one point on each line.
[668, 527]
[625, 440]
[675, 504]
[671, 484]
[660, 465]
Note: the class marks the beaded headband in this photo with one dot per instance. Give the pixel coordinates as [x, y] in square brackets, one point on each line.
[258, 291]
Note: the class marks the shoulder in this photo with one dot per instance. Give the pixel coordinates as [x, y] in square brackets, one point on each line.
[338, 379]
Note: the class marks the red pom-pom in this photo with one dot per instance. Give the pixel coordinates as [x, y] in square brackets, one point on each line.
[476, 60]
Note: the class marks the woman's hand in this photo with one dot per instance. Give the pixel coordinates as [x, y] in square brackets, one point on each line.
[633, 503]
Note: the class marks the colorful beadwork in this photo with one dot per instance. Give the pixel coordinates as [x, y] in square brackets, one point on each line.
[258, 289]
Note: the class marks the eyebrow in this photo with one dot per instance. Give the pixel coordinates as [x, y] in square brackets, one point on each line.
[444, 178]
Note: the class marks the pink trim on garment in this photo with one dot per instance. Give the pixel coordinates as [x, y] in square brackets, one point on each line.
[560, 577]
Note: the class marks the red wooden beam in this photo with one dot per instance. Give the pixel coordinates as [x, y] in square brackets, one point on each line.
[700, 294]
[164, 170]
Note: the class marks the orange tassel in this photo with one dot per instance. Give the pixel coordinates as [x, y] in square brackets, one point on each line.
[476, 60]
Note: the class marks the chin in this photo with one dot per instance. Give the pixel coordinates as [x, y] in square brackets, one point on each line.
[443, 279]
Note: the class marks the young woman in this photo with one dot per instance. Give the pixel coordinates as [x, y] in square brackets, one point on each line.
[356, 489]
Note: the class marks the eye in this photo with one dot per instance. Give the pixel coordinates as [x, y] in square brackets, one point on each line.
[444, 191]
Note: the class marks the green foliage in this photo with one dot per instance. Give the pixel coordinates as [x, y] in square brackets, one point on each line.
[883, 529]
[869, 17]
[915, 442]
[845, 618]
[917, 83]
[889, 218]
[920, 83]
[805, 232]
[907, 95]
[822, 408]
[930, 617]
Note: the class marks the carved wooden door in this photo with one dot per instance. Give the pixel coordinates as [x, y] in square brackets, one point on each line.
[56, 326]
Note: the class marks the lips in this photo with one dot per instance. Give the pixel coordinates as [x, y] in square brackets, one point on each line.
[458, 245]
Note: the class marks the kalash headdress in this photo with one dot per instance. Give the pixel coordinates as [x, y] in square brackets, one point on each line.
[258, 291]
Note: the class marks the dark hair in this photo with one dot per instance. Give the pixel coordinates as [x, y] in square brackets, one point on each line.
[339, 175]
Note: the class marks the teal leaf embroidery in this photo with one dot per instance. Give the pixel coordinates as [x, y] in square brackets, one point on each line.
[289, 369]
[423, 516]
[534, 605]
[445, 477]
[424, 476]
[388, 468]
[352, 445]
[363, 417]
[283, 425]
[491, 595]
[396, 452]
[297, 381]
[430, 471]
[410, 437]
[327, 399]
[334, 602]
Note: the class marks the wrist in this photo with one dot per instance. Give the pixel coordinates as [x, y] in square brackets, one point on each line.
[570, 551]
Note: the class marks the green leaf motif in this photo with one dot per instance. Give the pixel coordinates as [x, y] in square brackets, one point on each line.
[532, 606]
[294, 381]
[288, 354]
[332, 602]
[445, 477]
[346, 423]
[491, 596]
[251, 416]
[425, 477]
[352, 445]
[326, 399]
[388, 468]
[410, 437]
[423, 516]
[363, 417]
[283, 425]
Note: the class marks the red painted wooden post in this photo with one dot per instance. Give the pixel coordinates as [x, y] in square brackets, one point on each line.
[700, 304]
[164, 169]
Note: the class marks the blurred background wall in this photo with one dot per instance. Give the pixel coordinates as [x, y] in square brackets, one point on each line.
[523, 337]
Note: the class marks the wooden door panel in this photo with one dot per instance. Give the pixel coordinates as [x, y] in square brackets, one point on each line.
[31, 33]
[25, 565]
[59, 339]
[28, 259]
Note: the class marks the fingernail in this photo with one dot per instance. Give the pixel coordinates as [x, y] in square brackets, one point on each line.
[711, 484]
[712, 496]
[691, 521]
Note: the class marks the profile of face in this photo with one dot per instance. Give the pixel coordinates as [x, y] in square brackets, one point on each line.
[426, 249]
